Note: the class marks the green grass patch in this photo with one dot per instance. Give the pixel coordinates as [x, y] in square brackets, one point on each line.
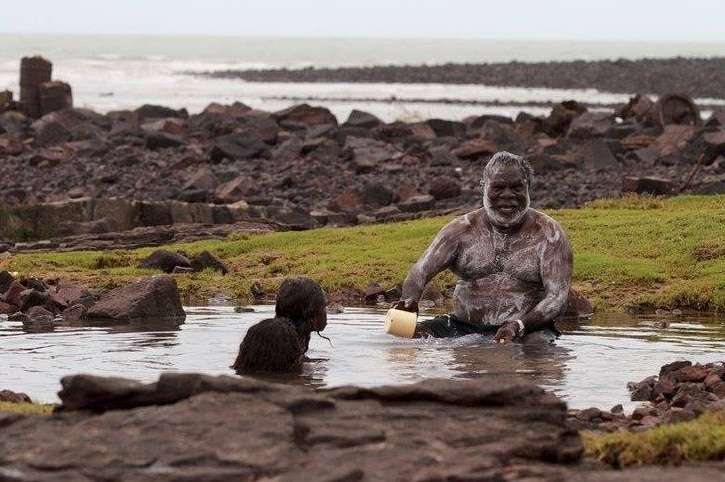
[632, 251]
[699, 440]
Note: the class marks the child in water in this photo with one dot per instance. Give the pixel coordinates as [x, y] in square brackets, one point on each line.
[279, 344]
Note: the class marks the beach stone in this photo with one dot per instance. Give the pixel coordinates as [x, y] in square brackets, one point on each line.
[151, 299]
[648, 185]
[377, 194]
[444, 187]
[74, 314]
[475, 148]
[590, 125]
[674, 139]
[424, 202]
[163, 140]
[165, 260]
[690, 373]
[640, 107]
[151, 111]
[447, 128]
[237, 147]
[358, 118]
[13, 397]
[288, 150]
[673, 367]
[206, 260]
[305, 114]
[562, 114]
[368, 154]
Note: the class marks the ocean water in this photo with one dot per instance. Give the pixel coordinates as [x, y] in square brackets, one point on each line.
[110, 73]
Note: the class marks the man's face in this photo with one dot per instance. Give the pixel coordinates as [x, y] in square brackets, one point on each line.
[506, 196]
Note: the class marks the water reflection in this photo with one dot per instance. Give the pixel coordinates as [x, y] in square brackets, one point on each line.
[589, 365]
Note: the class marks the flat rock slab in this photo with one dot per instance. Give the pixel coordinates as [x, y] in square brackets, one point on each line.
[196, 427]
[236, 428]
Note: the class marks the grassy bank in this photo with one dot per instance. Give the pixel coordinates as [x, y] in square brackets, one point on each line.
[632, 251]
[699, 440]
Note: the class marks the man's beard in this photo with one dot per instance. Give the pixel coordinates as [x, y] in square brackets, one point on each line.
[505, 220]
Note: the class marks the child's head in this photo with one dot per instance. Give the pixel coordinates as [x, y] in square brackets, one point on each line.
[304, 303]
[272, 345]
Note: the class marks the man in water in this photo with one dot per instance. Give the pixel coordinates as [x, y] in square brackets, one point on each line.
[514, 263]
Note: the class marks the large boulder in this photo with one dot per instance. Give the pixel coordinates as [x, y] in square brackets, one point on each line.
[151, 299]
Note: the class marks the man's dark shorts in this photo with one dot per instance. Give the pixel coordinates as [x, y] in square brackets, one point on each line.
[448, 326]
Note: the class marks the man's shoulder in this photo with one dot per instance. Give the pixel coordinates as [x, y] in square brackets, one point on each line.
[472, 218]
[467, 222]
[546, 224]
[542, 218]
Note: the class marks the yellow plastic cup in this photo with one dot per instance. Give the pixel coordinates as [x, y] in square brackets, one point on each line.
[400, 323]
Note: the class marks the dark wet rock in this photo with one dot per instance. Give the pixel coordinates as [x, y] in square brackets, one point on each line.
[163, 140]
[13, 397]
[590, 125]
[577, 305]
[447, 128]
[150, 111]
[649, 185]
[691, 373]
[165, 260]
[358, 118]
[474, 149]
[674, 139]
[423, 202]
[237, 148]
[291, 432]
[5, 280]
[562, 114]
[7, 308]
[368, 154]
[74, 314]
[374, 293]
[305, 114]
[680, 392]
[670, 368]
[639, 108]
[444, 187]
[206, 260]
[30, 297]
[151, 299]
[377, 194]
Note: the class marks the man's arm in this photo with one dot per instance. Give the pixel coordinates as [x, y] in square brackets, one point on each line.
[556, 268]
[439, 255]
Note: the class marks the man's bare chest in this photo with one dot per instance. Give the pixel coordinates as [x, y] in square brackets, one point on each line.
[492, 255]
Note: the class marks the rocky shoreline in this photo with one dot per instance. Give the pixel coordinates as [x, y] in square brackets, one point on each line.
[699, 77]
[76, 172]
[195, 427]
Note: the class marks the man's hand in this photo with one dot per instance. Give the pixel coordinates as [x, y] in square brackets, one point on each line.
[408, 304]
[507, 332]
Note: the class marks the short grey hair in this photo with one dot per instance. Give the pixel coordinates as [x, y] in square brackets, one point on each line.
[503, 158]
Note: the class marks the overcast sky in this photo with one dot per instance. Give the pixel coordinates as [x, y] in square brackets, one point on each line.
[625, 20]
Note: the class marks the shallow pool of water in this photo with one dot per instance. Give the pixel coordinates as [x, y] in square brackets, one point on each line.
[590, 364]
